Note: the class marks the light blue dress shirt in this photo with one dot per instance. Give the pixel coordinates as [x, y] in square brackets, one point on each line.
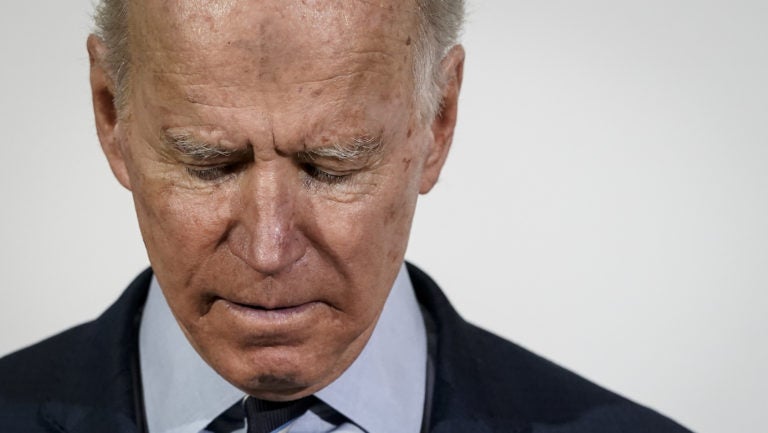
[382, 391]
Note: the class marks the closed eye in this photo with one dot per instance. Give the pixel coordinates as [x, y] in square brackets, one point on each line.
[317, 174]
[213, 173]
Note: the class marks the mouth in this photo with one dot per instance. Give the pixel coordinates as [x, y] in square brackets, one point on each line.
[274, 315]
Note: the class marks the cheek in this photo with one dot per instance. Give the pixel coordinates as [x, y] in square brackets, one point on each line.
[180, 227]
[372, 230]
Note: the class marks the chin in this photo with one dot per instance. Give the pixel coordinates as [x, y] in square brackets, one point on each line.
[277, 387]
[279, 374]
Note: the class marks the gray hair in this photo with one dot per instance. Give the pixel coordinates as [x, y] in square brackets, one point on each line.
[439, 26]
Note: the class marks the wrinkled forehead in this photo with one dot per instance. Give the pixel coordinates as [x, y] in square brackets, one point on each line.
[272, 31]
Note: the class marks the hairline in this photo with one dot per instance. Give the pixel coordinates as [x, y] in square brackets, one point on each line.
[111, 19]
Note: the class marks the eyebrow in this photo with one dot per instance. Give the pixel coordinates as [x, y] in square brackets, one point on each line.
[357, 148]
[189, 146]
[361, 147]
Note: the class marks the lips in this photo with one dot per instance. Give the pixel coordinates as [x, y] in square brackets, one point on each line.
[259, 307]
[283, 314]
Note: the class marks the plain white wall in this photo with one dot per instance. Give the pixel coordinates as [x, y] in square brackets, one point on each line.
[605, 203]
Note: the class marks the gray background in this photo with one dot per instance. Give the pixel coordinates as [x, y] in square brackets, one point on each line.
[605, 203]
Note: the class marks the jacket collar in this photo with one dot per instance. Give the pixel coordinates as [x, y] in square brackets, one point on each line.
[110, 400]
[460, 400]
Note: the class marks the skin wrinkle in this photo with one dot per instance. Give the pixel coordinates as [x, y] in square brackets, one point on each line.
[272, 233]
[358, 80]
[324, 79]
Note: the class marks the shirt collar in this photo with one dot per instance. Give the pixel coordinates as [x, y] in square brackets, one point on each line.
[182, 394]
[387, 378]
[383, 390]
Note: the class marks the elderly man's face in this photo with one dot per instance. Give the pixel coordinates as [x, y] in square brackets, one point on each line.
[274, 154]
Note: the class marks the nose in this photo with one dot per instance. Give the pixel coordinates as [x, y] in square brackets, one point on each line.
[267, 234]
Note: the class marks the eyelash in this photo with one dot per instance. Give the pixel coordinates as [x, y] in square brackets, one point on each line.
[210, 174]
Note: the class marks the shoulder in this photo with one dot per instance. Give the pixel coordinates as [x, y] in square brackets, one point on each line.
[549, 397]
[80, 368]
[30, 375]
[496, 385]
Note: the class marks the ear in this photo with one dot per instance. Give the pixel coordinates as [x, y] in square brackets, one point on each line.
[452, 70]
[105, 112]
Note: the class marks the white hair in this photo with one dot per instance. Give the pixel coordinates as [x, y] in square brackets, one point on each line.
[440, 23]
[439, 26]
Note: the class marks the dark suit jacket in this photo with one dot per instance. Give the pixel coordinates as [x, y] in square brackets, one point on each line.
[87, 379]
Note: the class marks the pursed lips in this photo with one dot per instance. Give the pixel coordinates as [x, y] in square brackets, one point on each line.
[275, 314]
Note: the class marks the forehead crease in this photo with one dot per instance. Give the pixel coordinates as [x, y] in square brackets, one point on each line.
[225, 83]
[349, 93]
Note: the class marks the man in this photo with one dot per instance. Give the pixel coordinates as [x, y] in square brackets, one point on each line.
[275, 151]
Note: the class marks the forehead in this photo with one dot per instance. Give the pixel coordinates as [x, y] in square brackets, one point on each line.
[274, 56]
[271, 34]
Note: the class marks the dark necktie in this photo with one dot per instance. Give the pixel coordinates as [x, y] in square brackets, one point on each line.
[266, 416]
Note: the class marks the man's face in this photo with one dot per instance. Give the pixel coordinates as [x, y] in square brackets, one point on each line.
[275, 157]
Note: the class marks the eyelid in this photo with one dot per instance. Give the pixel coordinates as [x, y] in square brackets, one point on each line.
[206, 174]
[334, 165]
[212, 173]
[315, 176]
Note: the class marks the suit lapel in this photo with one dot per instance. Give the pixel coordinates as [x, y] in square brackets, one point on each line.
[460, 402]
[66, 418]
[99, 388]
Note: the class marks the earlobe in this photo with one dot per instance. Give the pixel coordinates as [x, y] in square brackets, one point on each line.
[105, 112]
[444, 123]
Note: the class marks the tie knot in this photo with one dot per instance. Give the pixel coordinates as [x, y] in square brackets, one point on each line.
[266, 416]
